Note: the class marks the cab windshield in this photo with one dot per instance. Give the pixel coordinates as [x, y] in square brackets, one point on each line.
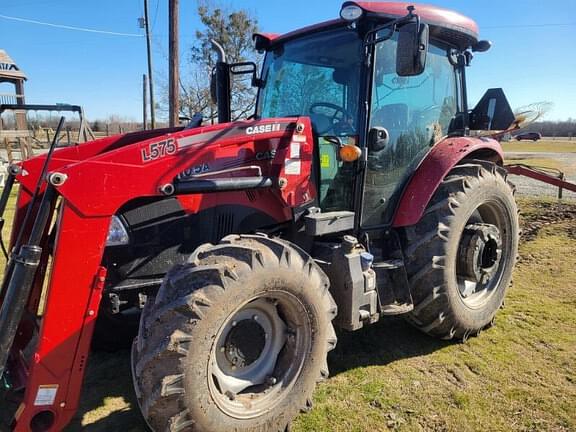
[315, 76]
[319, 76]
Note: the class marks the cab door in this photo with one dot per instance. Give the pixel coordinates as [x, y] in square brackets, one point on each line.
[416, 111]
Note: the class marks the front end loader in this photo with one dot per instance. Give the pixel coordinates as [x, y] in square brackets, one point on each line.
[362, 186]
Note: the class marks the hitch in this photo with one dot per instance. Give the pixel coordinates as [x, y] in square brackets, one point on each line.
[550, 176]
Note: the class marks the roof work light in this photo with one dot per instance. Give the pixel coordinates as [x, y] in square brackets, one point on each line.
[351, 12]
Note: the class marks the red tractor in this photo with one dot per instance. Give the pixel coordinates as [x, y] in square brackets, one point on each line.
[362, 186]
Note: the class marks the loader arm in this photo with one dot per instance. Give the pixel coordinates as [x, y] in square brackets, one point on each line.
[89, 183]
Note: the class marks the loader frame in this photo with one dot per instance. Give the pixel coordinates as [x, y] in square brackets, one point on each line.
[59, 318]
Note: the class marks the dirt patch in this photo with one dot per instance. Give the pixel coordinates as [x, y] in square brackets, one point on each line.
[542, 214]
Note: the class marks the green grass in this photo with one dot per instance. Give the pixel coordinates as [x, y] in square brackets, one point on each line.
[564, 166]
[543, 162]
[8, 217]
[543, 145]
[519, 375]
[536, 161]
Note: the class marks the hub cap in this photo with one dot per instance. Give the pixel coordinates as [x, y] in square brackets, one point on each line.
[483, 244]
[479, 253]
[248, 347]
[258, 354]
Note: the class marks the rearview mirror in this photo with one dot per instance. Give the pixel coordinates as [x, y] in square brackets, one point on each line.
[246, 68]
[411, 49]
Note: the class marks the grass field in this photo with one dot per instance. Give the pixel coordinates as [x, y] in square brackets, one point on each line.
[519, 375]
[541, 146]
[555, 154]
[564, 165]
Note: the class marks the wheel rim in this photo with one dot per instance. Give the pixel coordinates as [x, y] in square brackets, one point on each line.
[483, 251]
[258, 354]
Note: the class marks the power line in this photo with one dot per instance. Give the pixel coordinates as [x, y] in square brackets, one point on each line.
[67, 27]
[529, 25]
[155, 15]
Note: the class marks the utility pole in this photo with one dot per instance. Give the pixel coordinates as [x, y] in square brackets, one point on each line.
[150, 79]
[173, 63]
[144, 102]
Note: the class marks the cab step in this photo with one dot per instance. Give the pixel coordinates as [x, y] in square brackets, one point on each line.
[393, 289]
[396, 308]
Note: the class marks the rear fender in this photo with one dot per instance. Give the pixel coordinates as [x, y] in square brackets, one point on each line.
[435, 166]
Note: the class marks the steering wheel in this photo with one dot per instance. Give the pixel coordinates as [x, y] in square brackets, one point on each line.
[340, 121]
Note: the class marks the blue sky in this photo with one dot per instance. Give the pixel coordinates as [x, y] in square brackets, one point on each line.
[532, 57]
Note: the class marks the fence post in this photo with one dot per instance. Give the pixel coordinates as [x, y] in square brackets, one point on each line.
[560, 190]
[8, 147]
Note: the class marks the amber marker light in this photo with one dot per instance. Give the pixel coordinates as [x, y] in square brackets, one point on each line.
[350, 153]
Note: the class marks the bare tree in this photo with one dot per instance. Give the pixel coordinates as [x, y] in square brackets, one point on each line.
[233, 30]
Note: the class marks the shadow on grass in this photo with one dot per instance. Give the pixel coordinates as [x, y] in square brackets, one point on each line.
[380, 344]
[108, 402]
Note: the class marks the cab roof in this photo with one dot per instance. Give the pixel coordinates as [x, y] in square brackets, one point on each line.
[445, 24]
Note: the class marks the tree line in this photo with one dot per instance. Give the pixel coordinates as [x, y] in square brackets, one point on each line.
[566, 128]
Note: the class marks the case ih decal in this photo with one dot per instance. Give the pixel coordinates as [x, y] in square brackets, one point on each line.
[267, 128]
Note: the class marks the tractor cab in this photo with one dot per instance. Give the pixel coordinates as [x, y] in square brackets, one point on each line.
[387, 79]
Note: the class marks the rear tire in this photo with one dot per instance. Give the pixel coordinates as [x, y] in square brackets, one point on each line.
[248, 301]
[461, 254]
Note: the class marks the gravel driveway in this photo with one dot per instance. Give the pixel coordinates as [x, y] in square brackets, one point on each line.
[529, 187]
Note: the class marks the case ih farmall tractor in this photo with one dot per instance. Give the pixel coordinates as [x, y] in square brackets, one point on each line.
[363, 186]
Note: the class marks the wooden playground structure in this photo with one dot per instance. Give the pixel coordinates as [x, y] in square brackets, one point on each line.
[19, 138]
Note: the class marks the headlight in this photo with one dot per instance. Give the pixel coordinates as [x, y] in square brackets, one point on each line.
[117, 234]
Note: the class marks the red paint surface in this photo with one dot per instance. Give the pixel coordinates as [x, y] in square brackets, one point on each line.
[428, 176]
[431, 14]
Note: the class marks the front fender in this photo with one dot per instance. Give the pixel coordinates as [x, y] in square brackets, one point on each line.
[432, 170]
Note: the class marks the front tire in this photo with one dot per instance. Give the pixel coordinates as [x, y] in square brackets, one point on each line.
[461, 254]
[234, 340]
